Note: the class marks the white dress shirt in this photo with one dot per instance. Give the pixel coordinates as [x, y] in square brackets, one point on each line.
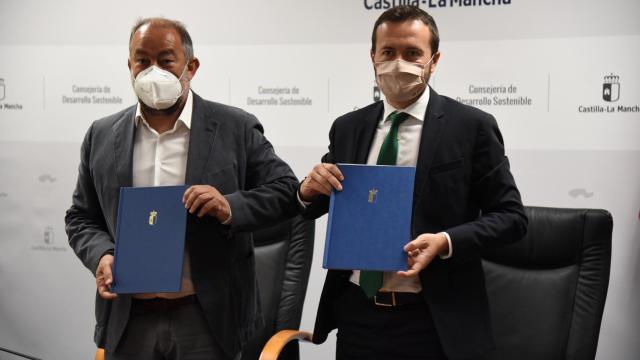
[161, 160]
[409, 134]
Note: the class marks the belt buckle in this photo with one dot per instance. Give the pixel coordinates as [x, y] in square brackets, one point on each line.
[393, 299]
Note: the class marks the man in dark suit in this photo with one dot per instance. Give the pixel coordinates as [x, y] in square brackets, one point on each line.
[171, 137]
[465, 199]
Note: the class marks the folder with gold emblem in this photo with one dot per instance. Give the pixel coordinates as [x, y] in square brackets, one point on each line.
[150, 239]
[370, 219]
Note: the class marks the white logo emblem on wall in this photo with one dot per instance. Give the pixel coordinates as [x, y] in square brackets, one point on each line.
[47, 242]
[2, 91]
[611, 88]
[49, 235]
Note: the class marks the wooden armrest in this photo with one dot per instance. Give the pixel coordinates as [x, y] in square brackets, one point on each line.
[99, 354]
[271, 349]
[274, 346]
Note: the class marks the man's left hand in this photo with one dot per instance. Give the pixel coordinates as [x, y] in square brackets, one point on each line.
[205, 199]
[422, 250]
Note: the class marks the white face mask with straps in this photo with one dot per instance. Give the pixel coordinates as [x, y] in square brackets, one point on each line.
[157, 88]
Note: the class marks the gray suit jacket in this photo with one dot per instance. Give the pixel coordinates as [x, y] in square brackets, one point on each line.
[227, 150]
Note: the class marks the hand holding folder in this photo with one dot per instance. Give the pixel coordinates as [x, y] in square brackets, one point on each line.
[370, 219]
[104, 277]
[321, 180]
[204, 200]
[422, 250]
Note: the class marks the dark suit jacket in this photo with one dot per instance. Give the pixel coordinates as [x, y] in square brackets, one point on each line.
[463, 186]
[227, 150]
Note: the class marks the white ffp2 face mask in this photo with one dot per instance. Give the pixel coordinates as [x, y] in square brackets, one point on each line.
[401, 80]
[157, 88]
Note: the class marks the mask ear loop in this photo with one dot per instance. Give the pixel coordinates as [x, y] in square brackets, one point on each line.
[430, 60]
[180, 78]
[184, 71]
[425, 67]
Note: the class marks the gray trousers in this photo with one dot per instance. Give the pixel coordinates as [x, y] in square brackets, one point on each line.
[179, 333]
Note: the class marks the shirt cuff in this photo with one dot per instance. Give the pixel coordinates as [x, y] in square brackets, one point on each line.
[303, 204]
[228, 221]
[443, 257]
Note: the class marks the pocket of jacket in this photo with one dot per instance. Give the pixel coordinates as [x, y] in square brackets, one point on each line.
[447, 166]
[224, 180]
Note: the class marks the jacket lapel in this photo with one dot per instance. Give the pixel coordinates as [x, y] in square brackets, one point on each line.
[123, 131]
[366, 133]
[430, 138]
[201, 139]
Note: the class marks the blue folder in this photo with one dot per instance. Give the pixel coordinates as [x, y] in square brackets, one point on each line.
[150, 236]
[370, 219]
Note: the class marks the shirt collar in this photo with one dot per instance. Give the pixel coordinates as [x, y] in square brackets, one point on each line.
[417, 110]
[185, 115]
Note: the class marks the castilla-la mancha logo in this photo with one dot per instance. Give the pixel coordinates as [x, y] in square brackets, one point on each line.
[611, 88]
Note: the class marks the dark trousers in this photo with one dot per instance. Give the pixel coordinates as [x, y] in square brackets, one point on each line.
[167, 330]
[370, 331]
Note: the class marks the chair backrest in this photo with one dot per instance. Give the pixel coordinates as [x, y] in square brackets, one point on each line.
[283, 260]
[547, 291]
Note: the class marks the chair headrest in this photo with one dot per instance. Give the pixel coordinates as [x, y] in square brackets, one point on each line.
[556, 237]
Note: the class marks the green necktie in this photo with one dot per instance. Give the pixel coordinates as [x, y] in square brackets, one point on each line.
[371, 281]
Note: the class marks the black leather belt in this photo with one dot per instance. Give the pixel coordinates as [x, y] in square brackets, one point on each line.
[393, 298]
[161, 304]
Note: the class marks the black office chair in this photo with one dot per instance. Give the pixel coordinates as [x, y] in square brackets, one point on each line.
[283, 261]
[547, 291]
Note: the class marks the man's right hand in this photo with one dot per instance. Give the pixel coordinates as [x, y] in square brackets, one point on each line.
[322, 178]
[104, 277]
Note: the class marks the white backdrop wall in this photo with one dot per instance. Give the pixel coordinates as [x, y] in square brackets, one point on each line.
[63, 65]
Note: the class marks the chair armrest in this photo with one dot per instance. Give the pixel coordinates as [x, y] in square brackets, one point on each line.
[274, 346]
[99, 354]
